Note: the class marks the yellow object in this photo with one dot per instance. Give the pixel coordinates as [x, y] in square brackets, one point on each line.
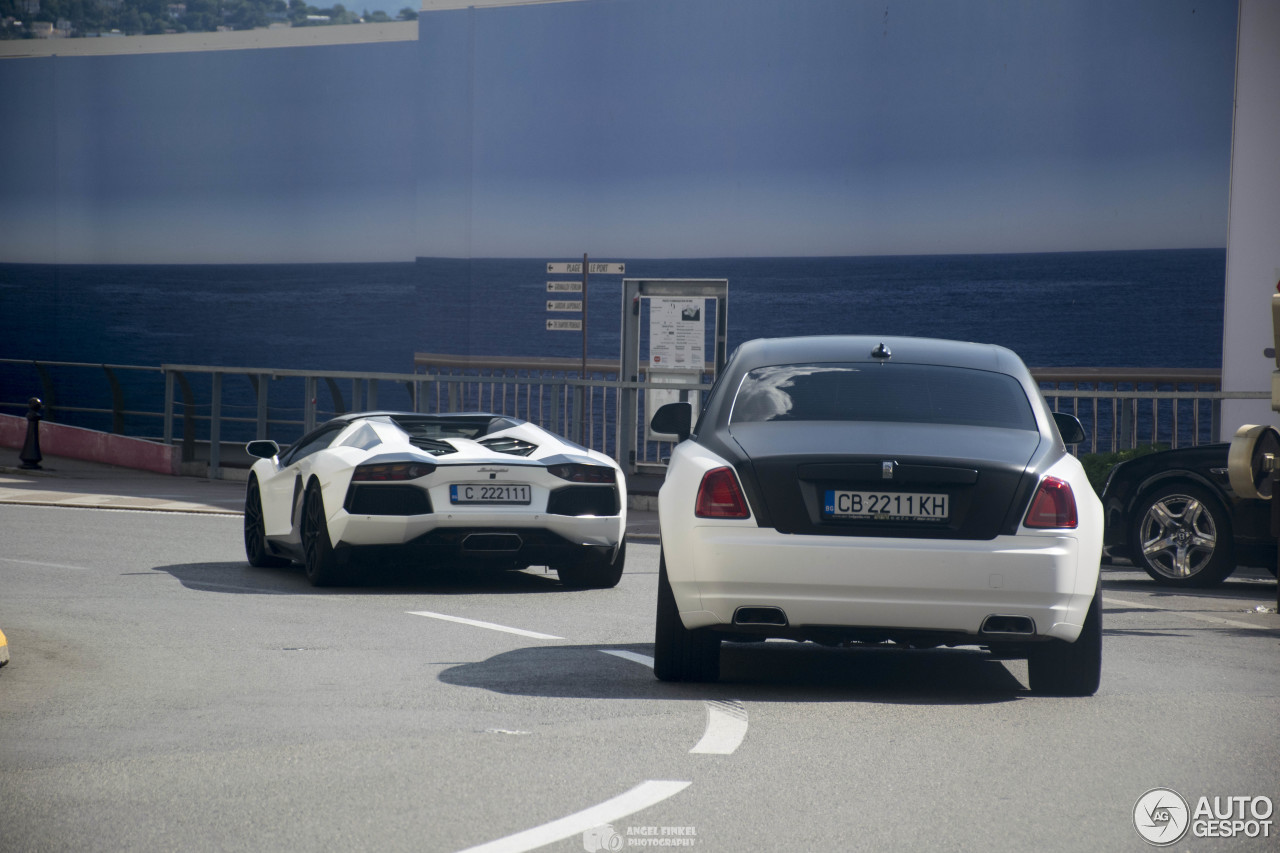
[4, 649]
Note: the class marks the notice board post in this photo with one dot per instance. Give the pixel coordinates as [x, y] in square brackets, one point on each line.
[677, 321]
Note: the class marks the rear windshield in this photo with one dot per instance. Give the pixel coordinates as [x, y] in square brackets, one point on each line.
[431, 429]
[904, 393]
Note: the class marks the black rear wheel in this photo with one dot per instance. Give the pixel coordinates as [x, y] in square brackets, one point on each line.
[255, 532]
[1059, 668]
[680, 654]
[595, 571]
[320, 562]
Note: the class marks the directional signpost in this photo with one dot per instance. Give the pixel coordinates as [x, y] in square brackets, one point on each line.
[561, 305]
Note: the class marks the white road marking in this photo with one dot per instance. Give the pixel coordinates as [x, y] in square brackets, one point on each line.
[1212, 620]
[640, 797]
[49, 565]
[478, 624]
[631, 656]
[726, 720]
[726, 727]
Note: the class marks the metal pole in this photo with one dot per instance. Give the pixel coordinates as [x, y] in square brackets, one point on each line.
[584, 315]
[215, 429]
[581, 427]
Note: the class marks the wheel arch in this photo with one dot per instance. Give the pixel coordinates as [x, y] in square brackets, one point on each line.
[1170, 477]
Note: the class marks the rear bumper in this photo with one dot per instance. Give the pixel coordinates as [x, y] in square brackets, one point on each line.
[949, 586]
[401, 529]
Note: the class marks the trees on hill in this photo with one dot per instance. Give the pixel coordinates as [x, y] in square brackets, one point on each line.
[150, 17]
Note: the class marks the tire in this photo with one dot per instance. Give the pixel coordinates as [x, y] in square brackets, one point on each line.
[255, 533]
[320, 562]
[596, 571]
[1059, 668]
[1181, 536]
[680, 654]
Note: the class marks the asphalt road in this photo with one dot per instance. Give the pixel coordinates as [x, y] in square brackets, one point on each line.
[163, 696]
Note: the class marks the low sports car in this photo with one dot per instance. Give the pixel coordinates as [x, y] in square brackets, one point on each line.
[483, 489]
[850, 490]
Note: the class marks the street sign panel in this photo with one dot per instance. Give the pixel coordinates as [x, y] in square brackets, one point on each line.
[564, 304]
[564, 325]
[564, 287]
[593, 268]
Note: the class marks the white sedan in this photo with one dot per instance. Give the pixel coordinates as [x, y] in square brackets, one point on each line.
[851, 490]
[481, 489]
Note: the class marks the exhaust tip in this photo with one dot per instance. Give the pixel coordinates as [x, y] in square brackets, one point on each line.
[760, 616]
[1019, 625]
[492, 543]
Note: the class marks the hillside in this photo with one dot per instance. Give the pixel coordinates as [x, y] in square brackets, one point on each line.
[88, 18]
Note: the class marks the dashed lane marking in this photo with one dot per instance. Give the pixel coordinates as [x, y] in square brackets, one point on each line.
[726, 719]
[726, 727]
[642, 796]
[478, 624]
[45, 565]
[1202, 617]
[635, 657]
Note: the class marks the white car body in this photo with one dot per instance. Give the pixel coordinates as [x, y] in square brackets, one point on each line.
[790, 566]
[717, 566]
[522, 514]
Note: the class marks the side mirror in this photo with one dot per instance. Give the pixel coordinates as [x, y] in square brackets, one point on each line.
[263, 449]
[1070, 427]
[674, 419]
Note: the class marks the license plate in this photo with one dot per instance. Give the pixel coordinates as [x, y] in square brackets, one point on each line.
[886, 506]
[489, 493]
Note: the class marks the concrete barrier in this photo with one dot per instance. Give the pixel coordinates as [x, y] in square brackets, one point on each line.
[92, 446]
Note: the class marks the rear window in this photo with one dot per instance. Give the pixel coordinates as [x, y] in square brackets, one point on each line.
[904, 393]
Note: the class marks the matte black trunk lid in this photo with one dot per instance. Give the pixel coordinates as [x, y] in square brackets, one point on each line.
[983, 472]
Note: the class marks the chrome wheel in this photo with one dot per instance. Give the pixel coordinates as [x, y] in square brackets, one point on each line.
[1182, 537]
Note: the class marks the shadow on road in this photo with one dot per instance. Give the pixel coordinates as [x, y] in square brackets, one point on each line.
[764, 672]
[240, 578]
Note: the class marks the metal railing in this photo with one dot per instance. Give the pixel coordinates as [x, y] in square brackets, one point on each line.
[211, 410]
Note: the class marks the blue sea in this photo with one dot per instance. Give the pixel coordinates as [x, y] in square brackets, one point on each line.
[1079, 309]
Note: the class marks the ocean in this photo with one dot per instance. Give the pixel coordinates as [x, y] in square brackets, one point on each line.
[1078, 309]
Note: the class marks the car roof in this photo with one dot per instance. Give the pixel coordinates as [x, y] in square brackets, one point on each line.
[764, 352]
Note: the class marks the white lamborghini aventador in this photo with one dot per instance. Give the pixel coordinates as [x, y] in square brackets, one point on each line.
[475, 488]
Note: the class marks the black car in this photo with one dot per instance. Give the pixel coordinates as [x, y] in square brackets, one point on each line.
[1174, 514]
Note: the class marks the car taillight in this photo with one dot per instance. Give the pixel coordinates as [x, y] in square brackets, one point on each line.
[578, 473]
[1054, 506]
[382, 472]
[720, 496]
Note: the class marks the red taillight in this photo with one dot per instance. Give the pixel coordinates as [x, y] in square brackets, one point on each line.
[719, 496]
[579, 473]
[1054, 506]
[381, 472]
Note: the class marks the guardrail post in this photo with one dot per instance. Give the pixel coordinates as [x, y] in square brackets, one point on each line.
[309, 404]
[188, 418]
[117, 402]
[1128, 409]
[371, 398]
[168, 407]
[260, 431]
[215, 428]
[578, 428]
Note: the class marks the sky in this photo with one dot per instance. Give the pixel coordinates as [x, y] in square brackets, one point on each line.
[641, 128]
